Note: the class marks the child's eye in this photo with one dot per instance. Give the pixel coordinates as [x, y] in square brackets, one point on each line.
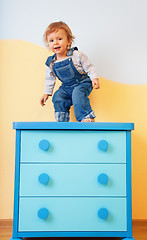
[51, 40]
[60, 38]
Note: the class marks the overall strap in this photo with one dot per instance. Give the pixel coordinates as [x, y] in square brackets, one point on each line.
[50, 59]
[70, 51]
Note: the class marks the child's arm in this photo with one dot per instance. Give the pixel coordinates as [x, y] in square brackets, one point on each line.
[44, 99]
[89, 68]
[49, 86]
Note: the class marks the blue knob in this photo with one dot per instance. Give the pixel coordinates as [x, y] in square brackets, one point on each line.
[44, 145]
[43, 213]
[103, 178]
[43, 178]
[103, 145]
[103, 213]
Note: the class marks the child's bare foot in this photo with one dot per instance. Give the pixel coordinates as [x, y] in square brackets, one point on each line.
[88, 120]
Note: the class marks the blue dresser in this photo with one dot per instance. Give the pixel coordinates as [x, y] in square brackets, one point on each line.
[72, 180]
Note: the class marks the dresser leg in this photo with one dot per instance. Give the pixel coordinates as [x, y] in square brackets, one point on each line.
[15, 238]
[128, 238]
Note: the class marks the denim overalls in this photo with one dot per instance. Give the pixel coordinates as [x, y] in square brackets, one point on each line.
[74, 90]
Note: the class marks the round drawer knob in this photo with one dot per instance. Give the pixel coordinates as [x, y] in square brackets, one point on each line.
[103, 213]
[44, 144]
[103, 178]
[43, 213]
[103, 145]
[43, 178]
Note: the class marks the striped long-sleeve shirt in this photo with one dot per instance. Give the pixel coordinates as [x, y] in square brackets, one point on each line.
[82, 64]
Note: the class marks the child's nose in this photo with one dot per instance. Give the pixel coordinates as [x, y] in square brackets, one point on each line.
[56, 41]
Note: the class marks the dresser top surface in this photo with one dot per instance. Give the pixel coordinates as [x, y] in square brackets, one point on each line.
[73, 126]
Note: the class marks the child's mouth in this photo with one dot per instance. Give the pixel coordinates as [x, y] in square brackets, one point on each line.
[57, 48]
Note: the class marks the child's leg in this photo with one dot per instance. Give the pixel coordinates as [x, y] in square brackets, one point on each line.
[82, 108]
[62, 103]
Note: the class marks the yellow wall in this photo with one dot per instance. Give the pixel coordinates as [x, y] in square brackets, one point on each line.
[22, 83]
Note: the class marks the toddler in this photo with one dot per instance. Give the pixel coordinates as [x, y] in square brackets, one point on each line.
[74, 70]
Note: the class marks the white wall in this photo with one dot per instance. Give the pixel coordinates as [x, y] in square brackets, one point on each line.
[113, 33]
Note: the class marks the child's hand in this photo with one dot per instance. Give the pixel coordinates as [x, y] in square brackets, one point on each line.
[95, 83]
[44, 99]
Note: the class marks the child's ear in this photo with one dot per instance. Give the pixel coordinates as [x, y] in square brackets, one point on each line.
[69, 44]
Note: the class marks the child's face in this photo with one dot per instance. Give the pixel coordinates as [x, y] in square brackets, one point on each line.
[58, 42]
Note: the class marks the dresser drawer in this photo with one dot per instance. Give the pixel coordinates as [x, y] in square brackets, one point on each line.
[72, 214]
[73, 146]
[73, 180]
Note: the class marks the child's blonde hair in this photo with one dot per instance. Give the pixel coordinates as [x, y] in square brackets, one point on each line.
[56, 26]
